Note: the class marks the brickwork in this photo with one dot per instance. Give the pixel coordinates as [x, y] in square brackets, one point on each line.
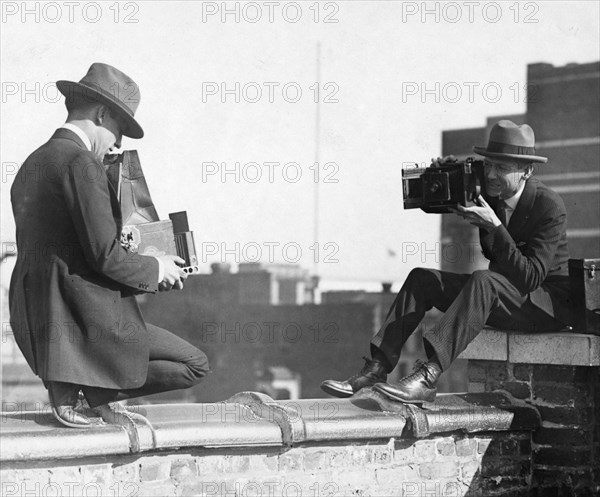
[566, 448]
[487, 464]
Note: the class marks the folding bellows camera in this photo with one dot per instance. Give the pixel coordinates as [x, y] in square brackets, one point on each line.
[142, 230]
[439, 187]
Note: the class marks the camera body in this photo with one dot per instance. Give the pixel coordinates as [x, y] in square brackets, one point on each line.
[439, 187]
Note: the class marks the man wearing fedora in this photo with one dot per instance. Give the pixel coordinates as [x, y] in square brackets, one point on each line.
[72, 294]
[522, 231]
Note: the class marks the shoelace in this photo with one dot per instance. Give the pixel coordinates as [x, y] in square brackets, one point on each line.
[365, 368]
[420, 365]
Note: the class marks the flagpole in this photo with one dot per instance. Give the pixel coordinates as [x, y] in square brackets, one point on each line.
[317, 252]
[317, 158]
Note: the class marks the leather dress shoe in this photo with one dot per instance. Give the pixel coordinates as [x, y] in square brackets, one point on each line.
[372, 373]
[68, 416]
[415, 388]
[63, 407]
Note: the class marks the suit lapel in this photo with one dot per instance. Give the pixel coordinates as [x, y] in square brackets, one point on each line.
[521, 214]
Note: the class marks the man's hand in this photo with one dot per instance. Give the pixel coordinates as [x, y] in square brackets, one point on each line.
[482, 215]
[174, 275]
[441, 161]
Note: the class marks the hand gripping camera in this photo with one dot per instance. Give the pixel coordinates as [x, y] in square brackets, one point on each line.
[439, 187]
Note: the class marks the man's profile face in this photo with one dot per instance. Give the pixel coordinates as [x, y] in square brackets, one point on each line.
[110, 133]
[503, 177]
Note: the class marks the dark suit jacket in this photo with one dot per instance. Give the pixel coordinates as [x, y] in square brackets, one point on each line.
[532, 251]
[72, 304]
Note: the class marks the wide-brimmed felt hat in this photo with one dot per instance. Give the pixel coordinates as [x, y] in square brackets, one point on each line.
[107, 85]
[509, 141]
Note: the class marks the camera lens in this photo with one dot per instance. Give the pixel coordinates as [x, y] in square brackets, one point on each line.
[435, 187]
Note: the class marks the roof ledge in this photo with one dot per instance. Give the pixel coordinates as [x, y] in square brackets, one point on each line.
[474, 412]
[563, 348]
[251, 419]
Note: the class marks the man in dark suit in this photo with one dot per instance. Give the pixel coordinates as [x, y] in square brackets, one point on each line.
[522, 229]
[72, 293]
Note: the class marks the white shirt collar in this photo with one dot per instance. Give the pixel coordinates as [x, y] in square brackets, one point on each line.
[511, 203]
[79, 132]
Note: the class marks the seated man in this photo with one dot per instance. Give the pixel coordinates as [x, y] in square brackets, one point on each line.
[522, 231]
[72, 294]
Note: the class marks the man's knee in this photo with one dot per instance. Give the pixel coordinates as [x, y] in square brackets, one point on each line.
[198, 364]
[490, 280]
[484, 277]
[420, 275]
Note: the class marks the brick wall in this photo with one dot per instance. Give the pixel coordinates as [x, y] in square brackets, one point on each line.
[566, 448]
[487, 464]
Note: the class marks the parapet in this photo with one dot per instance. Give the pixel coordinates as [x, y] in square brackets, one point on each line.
[528, 426]
[251, 419]
[565, 349]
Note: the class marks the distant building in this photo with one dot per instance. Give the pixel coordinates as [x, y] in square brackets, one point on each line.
[258, 283]
[562, 108]
[274, 284]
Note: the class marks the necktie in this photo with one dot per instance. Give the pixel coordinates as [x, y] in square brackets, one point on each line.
[502, 212]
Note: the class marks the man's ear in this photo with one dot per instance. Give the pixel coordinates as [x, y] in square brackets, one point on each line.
[102, 112]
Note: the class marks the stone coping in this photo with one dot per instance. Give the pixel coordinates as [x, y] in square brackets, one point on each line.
[251, 419]
[563, 348]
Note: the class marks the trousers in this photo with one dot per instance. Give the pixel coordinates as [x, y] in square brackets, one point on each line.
[173, 364]
[469, 302]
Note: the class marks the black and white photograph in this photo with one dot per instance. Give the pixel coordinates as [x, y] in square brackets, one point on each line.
[300, 248]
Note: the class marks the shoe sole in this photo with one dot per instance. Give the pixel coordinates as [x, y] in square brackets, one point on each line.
[404, 401]
[341, 394]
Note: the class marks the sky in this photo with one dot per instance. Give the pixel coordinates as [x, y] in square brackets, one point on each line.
[237, 110]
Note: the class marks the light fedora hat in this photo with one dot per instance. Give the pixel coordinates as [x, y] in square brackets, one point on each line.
[509, 141]
[109, 86]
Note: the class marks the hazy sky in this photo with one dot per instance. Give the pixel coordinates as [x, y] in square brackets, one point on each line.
[375, 61]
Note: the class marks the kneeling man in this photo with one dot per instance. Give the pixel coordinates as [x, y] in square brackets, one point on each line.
[72, 294]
